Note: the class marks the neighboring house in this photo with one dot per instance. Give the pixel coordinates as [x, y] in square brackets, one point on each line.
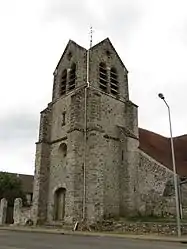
[27, 185]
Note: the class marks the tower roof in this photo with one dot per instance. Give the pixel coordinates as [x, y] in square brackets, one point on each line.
[70, 42]
[109, 43]
[106, 42]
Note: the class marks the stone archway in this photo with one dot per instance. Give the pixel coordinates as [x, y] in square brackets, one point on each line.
[59, 204]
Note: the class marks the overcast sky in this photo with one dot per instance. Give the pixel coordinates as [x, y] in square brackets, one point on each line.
[149, 35]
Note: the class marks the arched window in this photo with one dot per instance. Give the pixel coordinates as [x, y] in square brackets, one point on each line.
[114, 81]
[62, 150]
[72, 77]
[103, 80]
[63, 82]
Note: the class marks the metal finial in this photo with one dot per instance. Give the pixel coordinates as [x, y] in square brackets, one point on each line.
[91, 36]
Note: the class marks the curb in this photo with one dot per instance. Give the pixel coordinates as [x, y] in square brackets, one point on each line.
[95, 234]
[32, 230]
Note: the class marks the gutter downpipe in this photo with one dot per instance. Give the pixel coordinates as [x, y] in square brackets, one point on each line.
[85, 135]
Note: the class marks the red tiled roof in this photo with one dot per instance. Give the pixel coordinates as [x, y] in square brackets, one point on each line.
[159, 148]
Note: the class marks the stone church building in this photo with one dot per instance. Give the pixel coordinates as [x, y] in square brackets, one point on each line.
[89, 162]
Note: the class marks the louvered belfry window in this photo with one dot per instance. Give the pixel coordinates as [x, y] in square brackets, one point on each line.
[114, 81]
[63, 82]
[103, 81]
[72, 77]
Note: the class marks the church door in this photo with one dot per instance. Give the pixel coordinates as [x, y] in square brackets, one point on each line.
[60, 204]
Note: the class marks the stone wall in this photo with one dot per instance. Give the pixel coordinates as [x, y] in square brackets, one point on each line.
[103, 155]
[159, 228]
[22, 215]
[152, 182]
[41, 175]
[183, 195]
[103, 160]
[67, 171]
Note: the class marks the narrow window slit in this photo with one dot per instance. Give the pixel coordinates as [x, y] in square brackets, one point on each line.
[63, 118]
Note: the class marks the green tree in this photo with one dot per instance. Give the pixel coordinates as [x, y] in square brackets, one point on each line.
[11, 188]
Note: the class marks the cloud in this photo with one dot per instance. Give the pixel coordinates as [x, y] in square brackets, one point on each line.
[150, 37]
[18, 135]
[18, 128]
[108, 19]
[58, 9]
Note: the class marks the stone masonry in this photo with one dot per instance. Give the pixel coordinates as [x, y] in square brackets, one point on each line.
[88, 162]
[152, 183]
[22, 215]
[109, 156]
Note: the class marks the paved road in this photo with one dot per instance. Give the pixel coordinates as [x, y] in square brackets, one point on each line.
[20, 240]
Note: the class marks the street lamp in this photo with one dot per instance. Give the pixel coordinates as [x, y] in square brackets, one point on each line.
[161, 96]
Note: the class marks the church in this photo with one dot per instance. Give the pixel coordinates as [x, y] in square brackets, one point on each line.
[90, 164]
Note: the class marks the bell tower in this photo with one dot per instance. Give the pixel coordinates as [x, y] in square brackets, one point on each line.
[86, 156]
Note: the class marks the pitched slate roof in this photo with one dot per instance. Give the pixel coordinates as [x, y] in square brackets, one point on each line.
[158, 147]
[107, 40]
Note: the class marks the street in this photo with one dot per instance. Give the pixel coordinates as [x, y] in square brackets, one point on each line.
[28, 240]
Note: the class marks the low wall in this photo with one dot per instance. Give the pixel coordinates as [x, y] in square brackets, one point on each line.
[22, 215]
[139, 228]
[154, 197]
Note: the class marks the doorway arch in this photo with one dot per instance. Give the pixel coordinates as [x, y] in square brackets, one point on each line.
[59, 204]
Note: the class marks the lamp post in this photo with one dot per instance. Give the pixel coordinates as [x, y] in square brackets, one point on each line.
[161, 96]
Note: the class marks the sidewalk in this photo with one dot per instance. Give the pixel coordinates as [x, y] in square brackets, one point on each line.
[151, 237]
